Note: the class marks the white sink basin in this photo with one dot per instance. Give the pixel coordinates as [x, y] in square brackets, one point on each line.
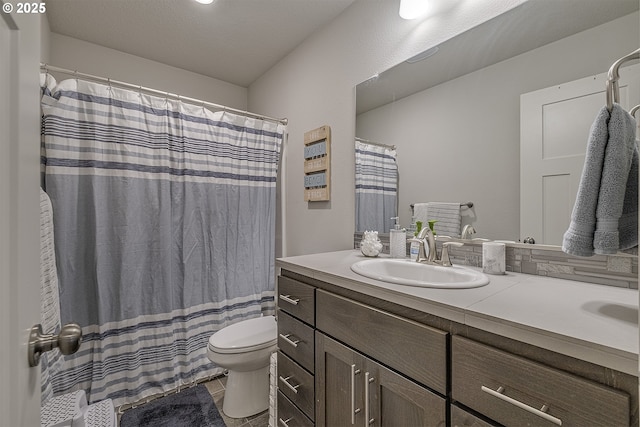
[411, 273]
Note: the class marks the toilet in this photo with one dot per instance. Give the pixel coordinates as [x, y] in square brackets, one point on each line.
[244, 349]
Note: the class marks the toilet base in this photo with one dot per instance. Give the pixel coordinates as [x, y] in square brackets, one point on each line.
[246, 393]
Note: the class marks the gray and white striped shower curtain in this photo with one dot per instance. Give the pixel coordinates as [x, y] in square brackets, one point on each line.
[164, 217]
[376, 187]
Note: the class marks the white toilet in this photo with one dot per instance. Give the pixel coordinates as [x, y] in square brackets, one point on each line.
[244, 349]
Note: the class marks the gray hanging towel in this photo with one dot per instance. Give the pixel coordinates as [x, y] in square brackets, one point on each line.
[605, 214]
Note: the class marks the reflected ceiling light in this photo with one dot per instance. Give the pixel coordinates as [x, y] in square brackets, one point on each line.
[205, 1]
[423, 55]
[411, 9]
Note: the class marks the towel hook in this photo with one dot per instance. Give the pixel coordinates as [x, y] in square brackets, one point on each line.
[613, 89]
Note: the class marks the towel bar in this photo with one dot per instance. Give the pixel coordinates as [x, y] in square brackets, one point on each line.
[467, 204]
[613, 90]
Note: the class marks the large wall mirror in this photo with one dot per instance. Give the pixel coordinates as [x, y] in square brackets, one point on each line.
[453, 114]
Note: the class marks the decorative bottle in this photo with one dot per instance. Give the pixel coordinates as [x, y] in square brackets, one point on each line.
[415, 246]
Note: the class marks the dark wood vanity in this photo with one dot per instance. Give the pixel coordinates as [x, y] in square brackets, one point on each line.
[348, 358]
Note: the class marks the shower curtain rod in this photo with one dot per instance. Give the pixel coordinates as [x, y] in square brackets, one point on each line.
[366, 141]
[111, 82]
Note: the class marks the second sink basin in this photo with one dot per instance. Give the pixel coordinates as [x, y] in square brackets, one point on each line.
[411, 273]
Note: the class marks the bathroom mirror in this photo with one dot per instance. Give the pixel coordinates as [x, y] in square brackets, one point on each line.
[454, 115]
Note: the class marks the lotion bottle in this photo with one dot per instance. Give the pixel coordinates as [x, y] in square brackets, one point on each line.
[397, 240]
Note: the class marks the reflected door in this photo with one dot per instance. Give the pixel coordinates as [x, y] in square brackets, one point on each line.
[554, 129]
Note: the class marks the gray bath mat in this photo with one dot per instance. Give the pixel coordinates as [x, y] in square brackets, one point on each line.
[192, 407]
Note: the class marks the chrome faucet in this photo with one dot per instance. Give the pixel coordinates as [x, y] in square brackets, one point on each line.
[426, 237]
[467, 231]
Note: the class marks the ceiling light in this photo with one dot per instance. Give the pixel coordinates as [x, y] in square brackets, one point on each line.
[423, 55]
[205, 1]
[411, 9]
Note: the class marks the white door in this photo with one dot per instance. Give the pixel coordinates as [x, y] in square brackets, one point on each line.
[554, 129]
[19, 215]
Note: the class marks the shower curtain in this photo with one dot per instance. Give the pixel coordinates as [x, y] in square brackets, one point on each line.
[376, 187]
[164, 218]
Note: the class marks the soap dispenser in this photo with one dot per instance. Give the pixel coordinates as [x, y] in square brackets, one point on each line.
[398, 240]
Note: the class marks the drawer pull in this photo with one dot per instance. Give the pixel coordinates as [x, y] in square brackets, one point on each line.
[285, 423]
[289, 340]
[294, 388]
[290, 300]
[354, 410]
[539, 412]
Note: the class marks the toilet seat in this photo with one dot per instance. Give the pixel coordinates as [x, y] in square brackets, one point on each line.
[245, 336]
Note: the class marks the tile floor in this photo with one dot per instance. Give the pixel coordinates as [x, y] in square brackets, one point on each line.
[216, 387]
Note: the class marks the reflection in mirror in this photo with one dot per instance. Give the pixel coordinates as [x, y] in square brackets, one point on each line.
[376, 186]
[455, 116]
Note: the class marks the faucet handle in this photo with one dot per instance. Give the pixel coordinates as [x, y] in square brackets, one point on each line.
[445, 252]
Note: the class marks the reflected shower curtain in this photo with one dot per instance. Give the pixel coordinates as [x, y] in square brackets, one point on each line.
[376, 187]
[164, 217]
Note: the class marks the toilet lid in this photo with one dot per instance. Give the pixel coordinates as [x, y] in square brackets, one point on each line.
[244, 336]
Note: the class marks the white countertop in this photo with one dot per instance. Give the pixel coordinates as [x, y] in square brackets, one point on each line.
[595, 323]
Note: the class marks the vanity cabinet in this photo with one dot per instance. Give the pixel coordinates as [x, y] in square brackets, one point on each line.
[513, 390]
[347, 358]
[296, 353]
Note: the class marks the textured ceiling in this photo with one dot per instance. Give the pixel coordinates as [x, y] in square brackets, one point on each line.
[232, 40]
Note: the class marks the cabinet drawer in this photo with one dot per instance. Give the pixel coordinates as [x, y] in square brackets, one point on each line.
[416, 350]
[297, 299]
[297, 384]
[462, 418]
[513, 390]
[296, 340]
[289, 415]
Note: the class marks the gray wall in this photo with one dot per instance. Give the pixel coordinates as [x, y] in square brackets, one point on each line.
[90, 58]
[314, 86]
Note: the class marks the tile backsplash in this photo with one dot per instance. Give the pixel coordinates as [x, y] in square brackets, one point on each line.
[619, 270]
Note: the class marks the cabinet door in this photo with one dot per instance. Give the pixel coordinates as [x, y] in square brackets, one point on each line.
[393, 400]
[339, 390]
[354, 390]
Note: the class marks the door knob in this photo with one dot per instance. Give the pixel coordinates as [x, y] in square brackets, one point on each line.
[68, 341]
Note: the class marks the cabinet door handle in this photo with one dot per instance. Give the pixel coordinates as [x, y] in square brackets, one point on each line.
[289, 340]
[539, 412]
[290, 300]
[285, 423]
[354, 410]
[368, 379]
[293, 388]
